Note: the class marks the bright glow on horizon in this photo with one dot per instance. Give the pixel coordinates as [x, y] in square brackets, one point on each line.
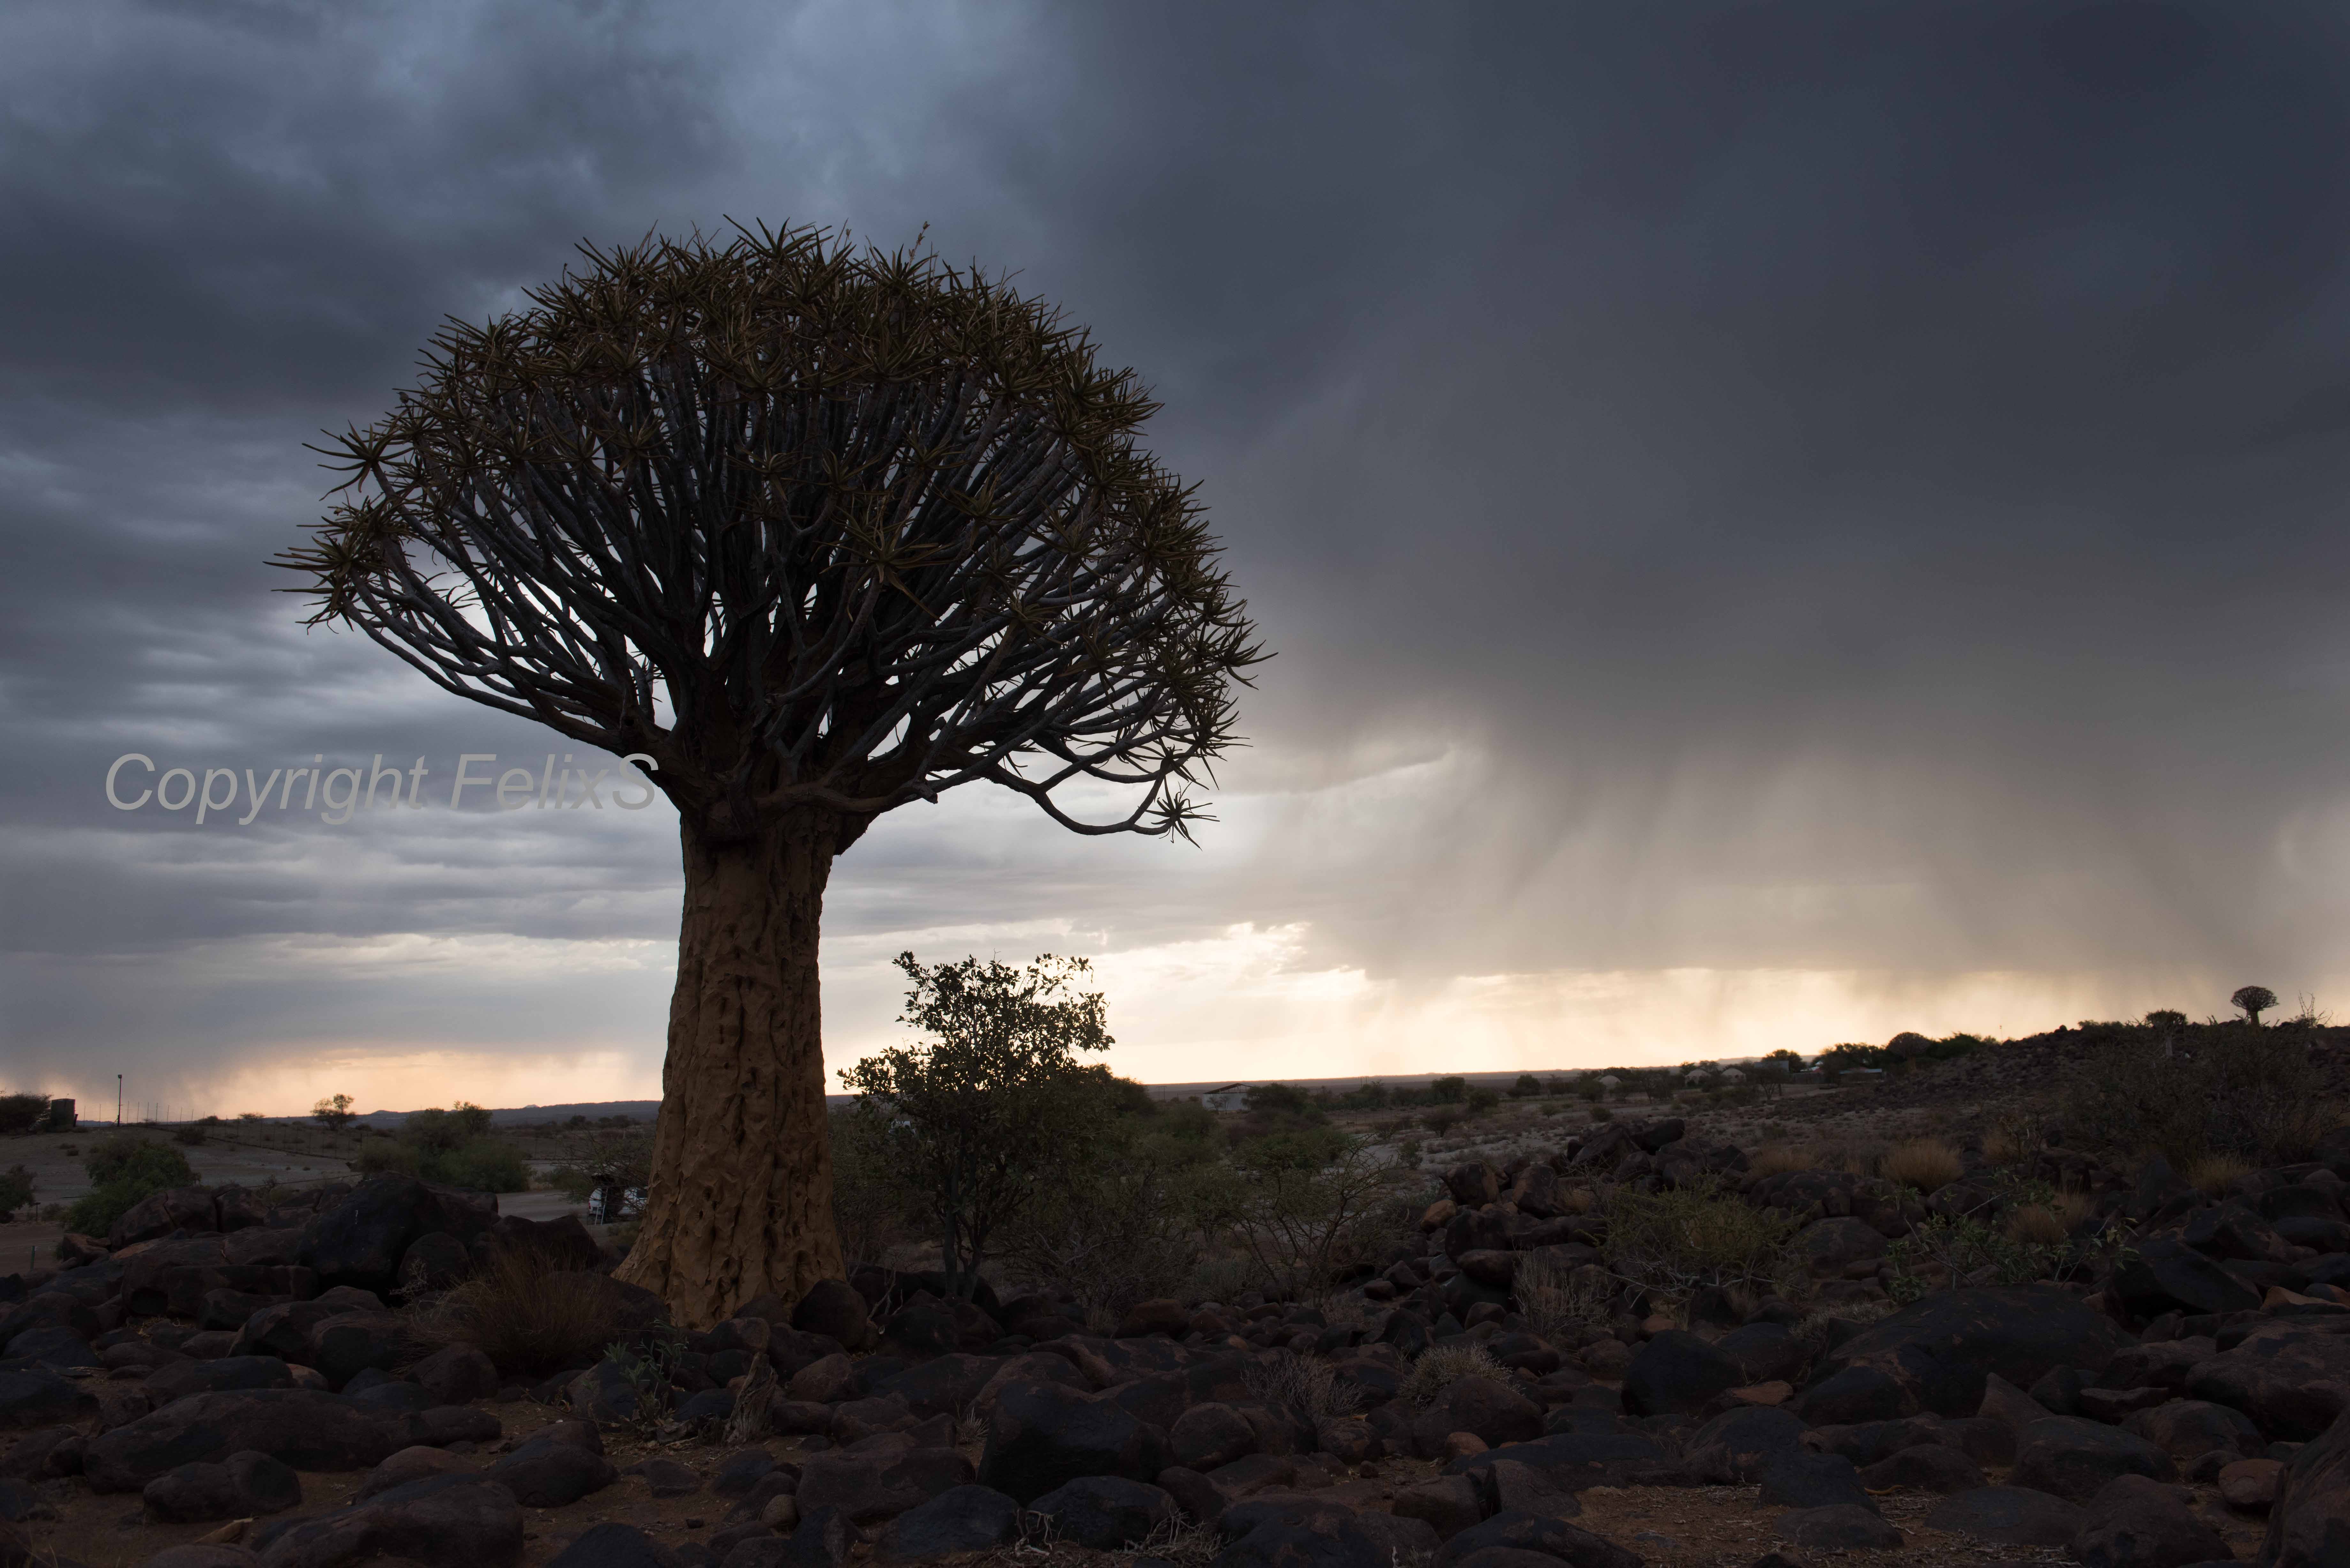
[1242, 1003]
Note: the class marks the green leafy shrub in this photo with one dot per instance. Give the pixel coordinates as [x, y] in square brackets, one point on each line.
[123, 1168]
[980, 1114]
[874, 1208]
[1952, 1249]
[1679, 1241]
[484, 1165]
[15, 1191]
[22, 1113]
[1481, 1100]
[1447, 1091]
[481, 1164]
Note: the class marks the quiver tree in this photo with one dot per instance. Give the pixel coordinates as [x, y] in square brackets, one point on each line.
[2254, 1000]
[807, 534]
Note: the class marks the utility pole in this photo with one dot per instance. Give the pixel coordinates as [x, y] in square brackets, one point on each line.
[117, 1102]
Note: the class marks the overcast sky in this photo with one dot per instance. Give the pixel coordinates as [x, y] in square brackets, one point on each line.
[1780, 522]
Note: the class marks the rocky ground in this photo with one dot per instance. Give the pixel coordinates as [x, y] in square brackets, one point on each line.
[221, 1384]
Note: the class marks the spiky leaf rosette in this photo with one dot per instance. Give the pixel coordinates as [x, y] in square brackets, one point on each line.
[809, 525]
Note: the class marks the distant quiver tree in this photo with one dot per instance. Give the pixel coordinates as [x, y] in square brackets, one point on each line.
[2254, 1000]
[804, 532]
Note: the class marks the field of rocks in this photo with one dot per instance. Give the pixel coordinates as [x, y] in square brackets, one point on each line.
[1922, 1320]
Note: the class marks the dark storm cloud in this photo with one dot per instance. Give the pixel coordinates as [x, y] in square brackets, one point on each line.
[1823, 485]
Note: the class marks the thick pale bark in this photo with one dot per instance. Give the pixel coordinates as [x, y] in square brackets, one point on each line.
[740, 1198]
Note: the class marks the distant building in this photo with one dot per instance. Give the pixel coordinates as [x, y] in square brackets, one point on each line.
[1732, 1075]
[1230, 1097]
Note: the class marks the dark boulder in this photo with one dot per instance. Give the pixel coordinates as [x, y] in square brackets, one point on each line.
[361, 1240]
[2075, 1458]
[2230, 1232]
[449, 1519]
[1943, 1347]
[2008, 1516]
[434, 1262]
[2187, 1430]
[615, 1545]
[834, 1308]
[1106, 1513]
[1209, 1435]
[551, 1473]
[960, 1518]
[1042, 1434]
[303, 1427]
[32, 1397]
[1855, 1395]
[870, 1486]
[1495, 1412]
[2167, 1275]
[1675, 1373]
[350, 1342]
[2134, 1522]
[456, 1375]
[2291, 1380]
[1734, 1448]
[179, 1379]
[2309, 1523]
[245, 1486]
[1547, 1537]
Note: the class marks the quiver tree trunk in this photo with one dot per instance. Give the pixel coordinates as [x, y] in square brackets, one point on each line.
[741, 1196]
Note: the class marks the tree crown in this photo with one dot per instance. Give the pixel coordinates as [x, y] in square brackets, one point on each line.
[807, 526]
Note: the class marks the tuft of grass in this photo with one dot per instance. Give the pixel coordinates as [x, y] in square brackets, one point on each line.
[1553, 1303]
[522, 1317]
[1439, 1367]
[1307, 1389]
[2037, 1225]
[1778, 1158]
[1927, 1163]
[1578, 1200]
[755, 1406]
[2212, 1174]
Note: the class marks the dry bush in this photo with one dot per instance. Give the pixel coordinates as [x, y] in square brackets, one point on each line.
[1779, 1158]
[1440, 1366]
[2037, 1225]
[2221, 1089]
[1307, 1390]
[2014, 1139]
[1553, 1304]
[2072, 1208]
[1927, 1163]
[2212, 1174]
[1813, 1331]
[1180, 1542]
[522, 1316]
[1577, 1201]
